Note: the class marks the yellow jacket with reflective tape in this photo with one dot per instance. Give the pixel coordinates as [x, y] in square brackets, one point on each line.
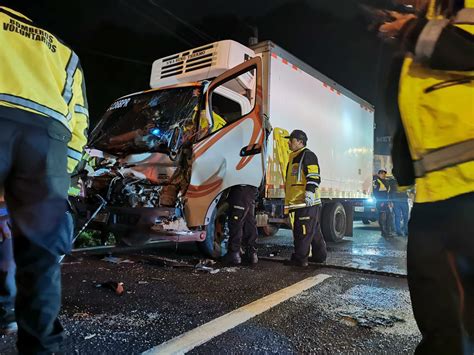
[40, 74]
[302, 175]
[437, 119]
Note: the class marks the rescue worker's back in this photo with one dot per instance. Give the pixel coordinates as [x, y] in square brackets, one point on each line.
[55, 89]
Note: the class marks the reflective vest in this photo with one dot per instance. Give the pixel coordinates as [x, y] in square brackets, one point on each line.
[296, 178]
[40, 74]
[439, 123]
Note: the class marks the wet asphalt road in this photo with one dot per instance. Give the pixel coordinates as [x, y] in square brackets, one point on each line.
[347, 313]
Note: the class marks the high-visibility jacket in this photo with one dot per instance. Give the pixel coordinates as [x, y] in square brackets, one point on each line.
[437, 111]
[40, 74]
[380, 188]
[302, 175]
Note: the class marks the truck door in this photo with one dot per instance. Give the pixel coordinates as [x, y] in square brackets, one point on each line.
[230, 148]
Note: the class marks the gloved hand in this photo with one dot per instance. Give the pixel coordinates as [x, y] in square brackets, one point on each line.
[310, 198]
[5, 230]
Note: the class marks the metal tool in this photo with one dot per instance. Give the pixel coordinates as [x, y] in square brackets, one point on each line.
[293, 207]
[103, 202]
[102, 205]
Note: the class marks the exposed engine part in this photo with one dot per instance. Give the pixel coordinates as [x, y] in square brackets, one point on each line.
[133, 193]
[152, 180]
[174, 224]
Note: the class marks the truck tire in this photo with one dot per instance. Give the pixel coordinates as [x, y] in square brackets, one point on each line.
[217, 235]
[366, 221]
[269, 230]
[333, 222]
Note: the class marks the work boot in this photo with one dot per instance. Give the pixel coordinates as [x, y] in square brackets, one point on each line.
[296, 262]
[251, 256]
[233, 258]
[318, 260]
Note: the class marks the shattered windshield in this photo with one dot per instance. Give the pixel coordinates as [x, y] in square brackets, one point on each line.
[156, 121]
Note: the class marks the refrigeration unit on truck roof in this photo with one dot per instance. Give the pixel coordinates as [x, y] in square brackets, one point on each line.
[199, 63]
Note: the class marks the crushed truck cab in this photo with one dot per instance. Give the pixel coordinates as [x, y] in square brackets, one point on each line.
[165, 158]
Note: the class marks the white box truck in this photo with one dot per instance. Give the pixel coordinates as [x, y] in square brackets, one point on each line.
[215, 117]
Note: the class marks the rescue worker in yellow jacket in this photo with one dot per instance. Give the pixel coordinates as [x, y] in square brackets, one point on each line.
[434, 149]
[43, 119]
[381, 190]
[303, 198]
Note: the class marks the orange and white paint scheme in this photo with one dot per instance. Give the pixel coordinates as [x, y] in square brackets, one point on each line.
[217, 160]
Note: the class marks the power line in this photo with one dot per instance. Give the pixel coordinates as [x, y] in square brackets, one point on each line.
[194, 29]
[124, 59]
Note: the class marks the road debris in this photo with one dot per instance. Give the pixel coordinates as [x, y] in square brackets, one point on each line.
[90, 336]
[204, 268]
[116, 260]
[167, 262]
[231, 269]
[112, 285]
[207, 262]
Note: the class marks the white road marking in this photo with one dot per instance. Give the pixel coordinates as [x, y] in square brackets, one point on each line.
[202, 334]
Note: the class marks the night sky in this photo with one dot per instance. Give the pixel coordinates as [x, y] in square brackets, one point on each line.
[117, 40]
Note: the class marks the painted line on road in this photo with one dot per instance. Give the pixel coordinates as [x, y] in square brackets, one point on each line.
[202, 334]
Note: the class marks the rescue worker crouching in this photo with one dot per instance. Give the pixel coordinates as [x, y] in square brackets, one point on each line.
[381, 191]
[44, 118]
[303, 198]
[242, 225]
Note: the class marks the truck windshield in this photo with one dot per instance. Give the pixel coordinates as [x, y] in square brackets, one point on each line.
[155, 121]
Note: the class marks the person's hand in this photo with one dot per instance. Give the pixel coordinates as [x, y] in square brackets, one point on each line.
[5, 229]
[309, 198]
[392, 29]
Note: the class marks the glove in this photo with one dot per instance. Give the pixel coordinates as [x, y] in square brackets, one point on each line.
[5, 230]
[310, 198]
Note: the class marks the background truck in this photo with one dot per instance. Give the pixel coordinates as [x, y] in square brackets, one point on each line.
[216, 116]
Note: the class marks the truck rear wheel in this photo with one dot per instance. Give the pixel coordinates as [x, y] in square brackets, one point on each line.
[333, 222]
[217, 235]
[269, 230]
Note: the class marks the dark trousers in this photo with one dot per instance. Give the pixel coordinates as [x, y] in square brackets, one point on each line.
[400, 210]
[386, 220]
[441, 274]
[7, 282]
[307, 233]
[242, 223]
[33, 171]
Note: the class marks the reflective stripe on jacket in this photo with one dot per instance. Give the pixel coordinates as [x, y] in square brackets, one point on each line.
[40, 74]
[437, 110]
[302, 175]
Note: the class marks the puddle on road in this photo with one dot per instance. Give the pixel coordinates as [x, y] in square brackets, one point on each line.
[386, 310]
[366, 303]
[377, 297]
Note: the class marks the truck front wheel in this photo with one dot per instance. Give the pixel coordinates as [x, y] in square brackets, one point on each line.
[333, 222]
[217, 235]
